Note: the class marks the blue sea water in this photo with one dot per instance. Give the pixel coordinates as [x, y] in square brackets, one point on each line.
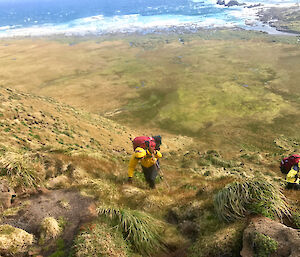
[81, 17]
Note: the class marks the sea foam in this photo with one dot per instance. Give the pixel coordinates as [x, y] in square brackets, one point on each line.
[196, 14]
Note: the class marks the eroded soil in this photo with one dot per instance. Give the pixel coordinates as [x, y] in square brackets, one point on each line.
[64, 205]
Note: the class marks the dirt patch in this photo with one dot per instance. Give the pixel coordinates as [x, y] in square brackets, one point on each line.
[68, 205]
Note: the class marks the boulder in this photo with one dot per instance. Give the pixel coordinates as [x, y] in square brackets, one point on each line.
[221, 2]
[14, 241]
[274, 239]
[254, 5]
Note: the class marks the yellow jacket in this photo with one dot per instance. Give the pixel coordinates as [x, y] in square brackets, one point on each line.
[145, 157]
[291, 176]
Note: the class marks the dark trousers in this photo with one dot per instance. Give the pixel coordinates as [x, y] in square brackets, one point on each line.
[150, 174]
[293, 186]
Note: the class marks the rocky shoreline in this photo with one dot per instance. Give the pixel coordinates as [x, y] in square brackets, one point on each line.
[283, 19]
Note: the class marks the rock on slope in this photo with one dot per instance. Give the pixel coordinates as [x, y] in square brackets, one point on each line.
[274, 238]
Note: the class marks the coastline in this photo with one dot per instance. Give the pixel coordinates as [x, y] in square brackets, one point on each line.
[257, 18]
[283, 19]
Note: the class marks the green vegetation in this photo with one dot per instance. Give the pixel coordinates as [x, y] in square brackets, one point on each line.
[263, 245]
[49, 229]
[238, 199]
[218, 239]
[60, 249]
[215, 159]
[296, 219]
[17, 167]
[139, 228]
[97, 239]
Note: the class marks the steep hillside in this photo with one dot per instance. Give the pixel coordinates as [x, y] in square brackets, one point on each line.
[39, 123]
[63, 167]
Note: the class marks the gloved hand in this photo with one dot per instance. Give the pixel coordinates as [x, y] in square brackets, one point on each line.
[129, 180]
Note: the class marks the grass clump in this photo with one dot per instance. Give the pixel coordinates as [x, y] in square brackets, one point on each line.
[140, 229]
[263, 245]
[99, 189]
[217, 161]
[18, 168]
[14, 240]
[97, 239]
[212, 157]
[257, 196]
[296, 219]
[49, 229]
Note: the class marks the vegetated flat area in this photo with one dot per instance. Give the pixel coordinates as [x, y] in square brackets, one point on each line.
[225, 101]
[227, 88]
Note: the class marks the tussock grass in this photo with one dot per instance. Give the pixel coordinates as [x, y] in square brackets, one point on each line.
[49, 229]
[18, 168]
[214, 158]
[97, 239]
[258, 196]
[217, 161]
[99, 188]
[142, 230]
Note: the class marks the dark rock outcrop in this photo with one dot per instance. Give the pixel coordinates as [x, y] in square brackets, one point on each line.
[280, 240]
[232, 3]
[254, 5]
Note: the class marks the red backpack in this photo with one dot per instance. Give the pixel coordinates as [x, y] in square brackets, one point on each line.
[144, 142]
[287, 163]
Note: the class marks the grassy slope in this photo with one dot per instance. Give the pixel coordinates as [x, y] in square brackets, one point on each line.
[228, 93]
[38, 123]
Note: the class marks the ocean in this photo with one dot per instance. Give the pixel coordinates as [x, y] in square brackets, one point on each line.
[19, 18]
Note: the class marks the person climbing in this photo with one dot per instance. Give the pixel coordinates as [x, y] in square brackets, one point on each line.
[146, 150]
[292, 178]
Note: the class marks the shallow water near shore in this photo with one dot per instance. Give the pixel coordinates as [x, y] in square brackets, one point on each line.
[36, 18]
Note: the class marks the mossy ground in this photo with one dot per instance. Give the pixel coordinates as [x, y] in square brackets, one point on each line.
[263, 245]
